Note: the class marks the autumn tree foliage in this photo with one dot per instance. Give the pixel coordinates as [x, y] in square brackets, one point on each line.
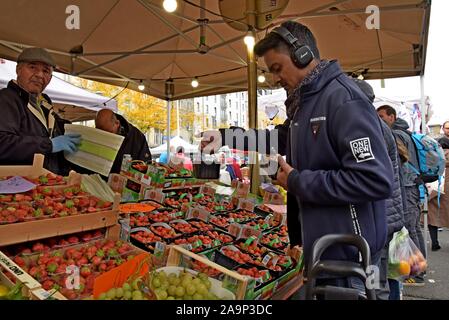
[140, 109]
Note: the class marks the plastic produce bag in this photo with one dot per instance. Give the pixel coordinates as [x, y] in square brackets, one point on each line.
[404, 258]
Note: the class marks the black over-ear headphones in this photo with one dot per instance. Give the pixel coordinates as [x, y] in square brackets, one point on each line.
[301, 54]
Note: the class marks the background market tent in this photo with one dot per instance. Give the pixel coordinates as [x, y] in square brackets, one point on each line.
[71, 102]
[176, 142]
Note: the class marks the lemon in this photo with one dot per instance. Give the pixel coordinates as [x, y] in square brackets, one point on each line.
[3, 291]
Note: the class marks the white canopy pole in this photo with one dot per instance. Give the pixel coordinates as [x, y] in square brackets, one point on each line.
[423, 130]
[169, 92]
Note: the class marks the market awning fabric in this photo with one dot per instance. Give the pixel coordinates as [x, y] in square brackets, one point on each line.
[121, 41]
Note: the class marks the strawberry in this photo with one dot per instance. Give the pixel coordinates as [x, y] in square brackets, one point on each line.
[26, 251]
[61, 269]
[37, 247]
[48, 284]
[102, 267]
[19, 261]
[96, 261]
[83, 261]
[85, 271]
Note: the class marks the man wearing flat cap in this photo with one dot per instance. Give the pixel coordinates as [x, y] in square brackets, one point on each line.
[28, 124]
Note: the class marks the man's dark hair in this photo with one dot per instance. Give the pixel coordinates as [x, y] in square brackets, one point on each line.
[180, 150]
[388, 109]
[276, 42]
[444, 123]
[444, 142]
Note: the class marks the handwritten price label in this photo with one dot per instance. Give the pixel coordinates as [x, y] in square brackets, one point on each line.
[207, 190]
[246, 204]
[155, 195]
[198, 213]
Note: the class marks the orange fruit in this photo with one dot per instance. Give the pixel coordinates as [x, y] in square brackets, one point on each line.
[404, 268]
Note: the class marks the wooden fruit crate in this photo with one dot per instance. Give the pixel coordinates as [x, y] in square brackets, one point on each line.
[32, 171]
[279, 289]
[35, 170]
[30, 284]
[40, 229]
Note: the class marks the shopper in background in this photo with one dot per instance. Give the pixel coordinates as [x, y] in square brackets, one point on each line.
[180, 157]
[28, 124]
[445, 129]
[134, 144]
[412, 214]
[439, 214]
[389, 288]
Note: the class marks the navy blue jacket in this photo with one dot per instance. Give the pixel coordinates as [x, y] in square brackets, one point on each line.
[342, 170]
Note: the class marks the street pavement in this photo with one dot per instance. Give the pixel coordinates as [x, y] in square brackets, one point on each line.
[437, 278]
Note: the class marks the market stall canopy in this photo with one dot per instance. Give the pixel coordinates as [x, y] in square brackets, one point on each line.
[125, 42]
[176, 142]
[71, 102]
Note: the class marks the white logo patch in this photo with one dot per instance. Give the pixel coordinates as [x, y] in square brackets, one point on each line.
[361, 149]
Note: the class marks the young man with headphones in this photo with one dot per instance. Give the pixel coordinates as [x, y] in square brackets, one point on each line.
[337, 171]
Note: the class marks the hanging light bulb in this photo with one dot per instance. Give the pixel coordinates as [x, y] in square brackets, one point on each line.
[141, 86]
[361, 77]
[195, 82]
[170, 5]
[249, 40]
[261, 77]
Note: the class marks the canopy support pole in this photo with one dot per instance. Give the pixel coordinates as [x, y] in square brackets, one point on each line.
[169, 92]
[252, 94]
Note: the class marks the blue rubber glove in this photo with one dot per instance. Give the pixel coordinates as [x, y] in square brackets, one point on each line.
[67, 142]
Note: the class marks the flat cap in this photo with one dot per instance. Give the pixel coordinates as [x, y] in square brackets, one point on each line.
[36, 55]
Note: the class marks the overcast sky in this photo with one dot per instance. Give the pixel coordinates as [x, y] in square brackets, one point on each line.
[437, 70]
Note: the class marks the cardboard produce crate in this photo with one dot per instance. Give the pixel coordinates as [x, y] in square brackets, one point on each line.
[245, 287]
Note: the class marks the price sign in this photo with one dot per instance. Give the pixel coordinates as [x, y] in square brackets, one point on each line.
[198, 213]
[155, 195]
[246, 204]
[235, 230]
[249, 231]
[242, 189]
[273, 198]
[205, 189]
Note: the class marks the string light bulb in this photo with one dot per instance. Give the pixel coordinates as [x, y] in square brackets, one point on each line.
[249, 40]
[261, 77]
[195, 82]
[170, 5]
[141, 86]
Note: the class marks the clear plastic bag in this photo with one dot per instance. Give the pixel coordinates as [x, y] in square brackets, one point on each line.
[404, 257]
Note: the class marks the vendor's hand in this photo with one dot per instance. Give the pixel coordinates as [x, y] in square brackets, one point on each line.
[283, 172]
[67, 142]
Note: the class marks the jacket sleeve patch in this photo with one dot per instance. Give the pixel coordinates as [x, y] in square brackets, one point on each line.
[361, 149]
